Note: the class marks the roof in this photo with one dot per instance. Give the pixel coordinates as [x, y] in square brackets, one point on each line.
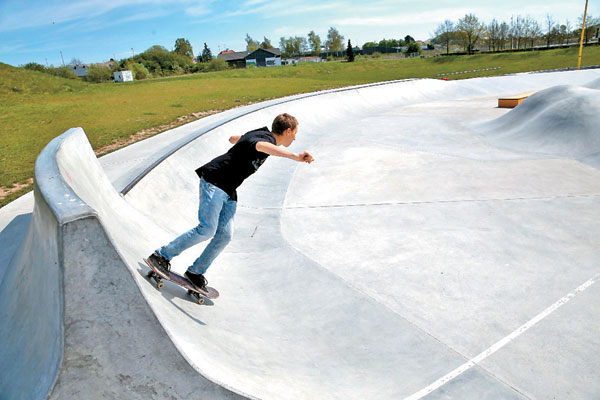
[241, 55]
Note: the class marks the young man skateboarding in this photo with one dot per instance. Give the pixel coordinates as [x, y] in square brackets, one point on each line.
[219, 180]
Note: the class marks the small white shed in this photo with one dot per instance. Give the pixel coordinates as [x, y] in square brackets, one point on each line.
[123, 76]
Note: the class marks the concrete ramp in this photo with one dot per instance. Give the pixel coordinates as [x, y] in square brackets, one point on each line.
[414, 258]
[561, 121]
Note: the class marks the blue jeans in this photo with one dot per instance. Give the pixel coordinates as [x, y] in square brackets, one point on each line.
[215, 214]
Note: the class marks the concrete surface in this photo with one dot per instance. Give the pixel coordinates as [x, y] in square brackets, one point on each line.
[438, 247]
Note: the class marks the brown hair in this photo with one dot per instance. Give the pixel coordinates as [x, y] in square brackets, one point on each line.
[283, 122]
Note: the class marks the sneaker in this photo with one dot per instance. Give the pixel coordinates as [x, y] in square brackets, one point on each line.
[198, 280]
[162, 265]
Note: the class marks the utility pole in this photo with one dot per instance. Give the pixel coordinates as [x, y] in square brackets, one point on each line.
[132, 53]
[63, 59]
[582, 33]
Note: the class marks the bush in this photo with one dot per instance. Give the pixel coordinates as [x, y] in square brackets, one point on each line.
[63, 72]
[216, 64]
[99, 73]
[139, 71]
[413, 48]
[32, 66]
[161, 62]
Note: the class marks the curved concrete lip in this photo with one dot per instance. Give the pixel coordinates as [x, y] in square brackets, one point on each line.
[421, 254]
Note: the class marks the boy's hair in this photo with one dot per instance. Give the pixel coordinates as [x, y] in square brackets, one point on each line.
[283, 122]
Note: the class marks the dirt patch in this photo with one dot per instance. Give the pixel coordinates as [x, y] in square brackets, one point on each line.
[146, 133]
[6, 191]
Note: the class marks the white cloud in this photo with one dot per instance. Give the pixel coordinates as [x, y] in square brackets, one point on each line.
[17, 16]
[198, 10]
[399, 18]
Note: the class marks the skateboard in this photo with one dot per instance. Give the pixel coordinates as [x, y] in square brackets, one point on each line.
[199, 295]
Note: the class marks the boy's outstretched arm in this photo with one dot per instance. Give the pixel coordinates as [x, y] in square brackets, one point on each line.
[273, 150]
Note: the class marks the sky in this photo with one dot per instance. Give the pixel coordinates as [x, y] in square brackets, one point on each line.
[50, 31]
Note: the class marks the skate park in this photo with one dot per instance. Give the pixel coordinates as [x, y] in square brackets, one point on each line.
[439, 247]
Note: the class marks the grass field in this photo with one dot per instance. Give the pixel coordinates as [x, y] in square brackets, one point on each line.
[37, 107]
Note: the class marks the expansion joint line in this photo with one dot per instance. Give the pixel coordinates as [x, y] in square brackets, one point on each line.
[401, 203]
[475, 361]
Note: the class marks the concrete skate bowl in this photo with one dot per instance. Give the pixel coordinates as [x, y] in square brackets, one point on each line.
[560, 121]
[374, 272]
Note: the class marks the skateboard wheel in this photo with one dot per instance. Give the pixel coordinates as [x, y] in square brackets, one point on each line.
[200, 300]
[160, 284]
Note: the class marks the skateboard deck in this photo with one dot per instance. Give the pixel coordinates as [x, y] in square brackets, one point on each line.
[199, 295]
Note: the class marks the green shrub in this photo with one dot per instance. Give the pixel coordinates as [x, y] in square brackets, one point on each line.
[139, 71]
[217, 64]
[99, 73]
[63, 72]
[32, 66]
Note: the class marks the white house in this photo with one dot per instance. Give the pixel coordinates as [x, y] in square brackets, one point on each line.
[123, 76]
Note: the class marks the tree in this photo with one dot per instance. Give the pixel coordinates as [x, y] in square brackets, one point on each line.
[391, 43]
[161, 62]
[75, 61]
[551, 30]
[350, 52]
[251, 44]
[413, 49]
[493, 35]
[408, 39]
[533, 31]
[334, 41]
[445, 33]
[266, 44]
[293, 46]
[516, 32]
[569, 30]
[503, 35]
[206, 54]
[591, 27]
[314, 42]
[183, 48]
[469, 32]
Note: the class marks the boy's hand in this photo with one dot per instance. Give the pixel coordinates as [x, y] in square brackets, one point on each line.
[305, 157]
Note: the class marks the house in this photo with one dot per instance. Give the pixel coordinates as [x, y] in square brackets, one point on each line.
[293, 61]
[257, 58]
[81, 70]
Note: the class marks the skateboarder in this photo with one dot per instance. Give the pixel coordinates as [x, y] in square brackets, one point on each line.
[219, 180]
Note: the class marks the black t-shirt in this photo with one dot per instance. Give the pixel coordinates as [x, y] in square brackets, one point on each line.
[228, 171]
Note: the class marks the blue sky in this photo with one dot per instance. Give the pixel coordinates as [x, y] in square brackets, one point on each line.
[97, 30]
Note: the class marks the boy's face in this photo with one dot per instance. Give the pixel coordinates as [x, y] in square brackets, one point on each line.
[289, 136]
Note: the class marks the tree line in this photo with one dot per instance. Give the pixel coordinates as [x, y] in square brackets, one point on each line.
[155, 62]
[468, 33]
[294, 46]
[518, 33]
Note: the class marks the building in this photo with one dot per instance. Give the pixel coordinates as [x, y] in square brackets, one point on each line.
[293, 61]
[123, 76]
[81, 70]
[257, 58]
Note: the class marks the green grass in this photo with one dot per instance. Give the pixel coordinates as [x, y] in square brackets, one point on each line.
[37, 107]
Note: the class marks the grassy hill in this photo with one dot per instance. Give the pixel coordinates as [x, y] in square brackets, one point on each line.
[37, 107]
